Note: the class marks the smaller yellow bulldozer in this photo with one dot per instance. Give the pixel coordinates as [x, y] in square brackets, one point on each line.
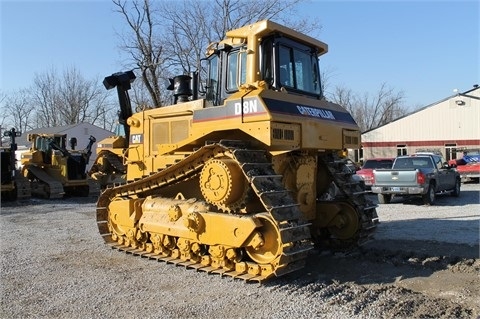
[53, 170]
[14, 185]
[112, 152]
[109, 168]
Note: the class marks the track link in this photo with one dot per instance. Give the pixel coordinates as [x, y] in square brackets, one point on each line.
[268, 186]
[279, 204]
[353, 192]
[115, 162]
[46, 186]
[22, 187]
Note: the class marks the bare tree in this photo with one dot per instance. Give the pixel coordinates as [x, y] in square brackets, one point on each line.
[81, 100]
[44, 97]
[326, 75]
[3, 120]
[371, 110]
[19, 110]
[145, 49]
[344, 97]
[236, 13]
[171, 38]
[68, 99]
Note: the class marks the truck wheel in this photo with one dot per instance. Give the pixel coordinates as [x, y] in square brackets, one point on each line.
[456, 189]
[429, 197]
[384, 198]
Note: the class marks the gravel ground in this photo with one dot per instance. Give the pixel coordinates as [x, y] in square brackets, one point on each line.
[423, 263]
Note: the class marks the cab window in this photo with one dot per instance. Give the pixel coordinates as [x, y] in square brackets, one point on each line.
[298, 69]
[438, 162]
[212, 85]
[236, 70]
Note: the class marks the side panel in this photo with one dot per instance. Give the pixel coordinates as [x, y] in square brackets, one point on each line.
[322, 125]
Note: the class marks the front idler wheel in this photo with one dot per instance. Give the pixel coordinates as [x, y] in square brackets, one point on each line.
[267, 247]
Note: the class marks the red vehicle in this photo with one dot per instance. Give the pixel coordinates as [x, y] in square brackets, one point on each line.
[366, 172]
[469, 165]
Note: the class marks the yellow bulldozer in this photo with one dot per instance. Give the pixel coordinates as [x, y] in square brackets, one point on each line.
[14, 185]
[54, 171]
[109, 166]
[244, 174]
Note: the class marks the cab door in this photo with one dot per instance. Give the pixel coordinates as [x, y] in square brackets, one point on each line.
[446, 175]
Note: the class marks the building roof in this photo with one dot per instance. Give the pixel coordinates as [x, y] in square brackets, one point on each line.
[55, 129]
[475, 87]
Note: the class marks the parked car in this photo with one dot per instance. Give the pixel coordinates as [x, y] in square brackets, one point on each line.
[366, 171]
[469, 165]
[416, 175]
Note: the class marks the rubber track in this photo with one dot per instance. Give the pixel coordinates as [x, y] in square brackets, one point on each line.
[278, 202]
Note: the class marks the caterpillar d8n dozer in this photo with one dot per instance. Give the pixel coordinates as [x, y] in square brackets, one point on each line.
[54, 171]
[14, 185]
[247, 180]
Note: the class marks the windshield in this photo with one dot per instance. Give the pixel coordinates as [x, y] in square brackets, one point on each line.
[298, 70]
[413, 162]
[291, 65]
[372, 164]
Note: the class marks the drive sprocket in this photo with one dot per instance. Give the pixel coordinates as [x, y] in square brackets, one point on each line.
[223, 184]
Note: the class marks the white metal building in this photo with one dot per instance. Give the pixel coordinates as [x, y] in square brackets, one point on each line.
[445, 126]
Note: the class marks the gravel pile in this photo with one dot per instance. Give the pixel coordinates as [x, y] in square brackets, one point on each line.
[55, 265]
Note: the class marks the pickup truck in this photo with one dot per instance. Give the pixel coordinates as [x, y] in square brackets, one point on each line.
[416, 175]
[366, 171]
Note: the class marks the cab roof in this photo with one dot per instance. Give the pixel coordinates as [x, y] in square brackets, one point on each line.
[267, 27]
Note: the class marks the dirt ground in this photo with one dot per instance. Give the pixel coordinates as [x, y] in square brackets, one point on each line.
[423, 279]
[437, 278]
[423, 263]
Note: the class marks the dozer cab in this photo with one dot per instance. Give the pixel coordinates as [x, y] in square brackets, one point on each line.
[54, 171]
[14, 185]
[243, 175]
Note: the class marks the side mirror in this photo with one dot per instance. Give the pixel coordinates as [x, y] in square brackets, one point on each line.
[445, 165]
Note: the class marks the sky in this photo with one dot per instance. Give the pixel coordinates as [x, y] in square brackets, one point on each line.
[425, 49]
